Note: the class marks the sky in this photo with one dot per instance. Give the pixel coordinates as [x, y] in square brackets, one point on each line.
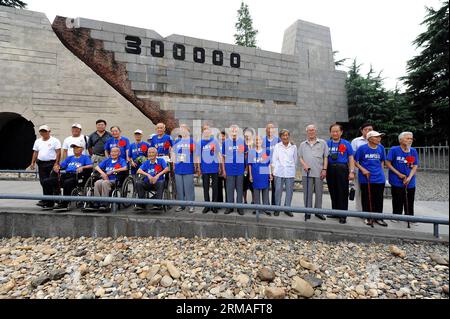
[378, 33]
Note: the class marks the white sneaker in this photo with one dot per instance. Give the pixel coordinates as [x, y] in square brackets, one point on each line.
[191, 209]
[179, 209]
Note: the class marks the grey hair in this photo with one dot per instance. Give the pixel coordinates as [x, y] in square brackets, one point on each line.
[311, 125]
[283, 131]
[403, 134]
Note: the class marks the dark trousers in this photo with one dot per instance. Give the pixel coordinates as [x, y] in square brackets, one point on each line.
[68, 182]
[403, 200]
[44, 170]
[220, 188]
[376, 191]
[143, 187]
[206, 178]
[337, 180]
[272, 189]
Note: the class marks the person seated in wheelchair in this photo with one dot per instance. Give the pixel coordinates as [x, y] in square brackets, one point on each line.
[77, 168]
[112, 170]
[137, 152]
[153, 171]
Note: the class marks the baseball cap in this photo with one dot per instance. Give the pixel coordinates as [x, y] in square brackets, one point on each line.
[77, 144]
[44, 128]
[374, 134]
[138, 131]
[78, 125]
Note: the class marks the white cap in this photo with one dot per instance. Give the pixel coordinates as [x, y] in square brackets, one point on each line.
[77, 143]
[78, 125]
[374, 134]
[44, 128]
[138, 131]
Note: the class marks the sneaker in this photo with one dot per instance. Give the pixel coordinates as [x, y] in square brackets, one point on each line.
[179, 209]
[307, 216]
[381, 222]
[61, 207]
[139, 207]
[289, 214]
[191, 210]
[91, 207]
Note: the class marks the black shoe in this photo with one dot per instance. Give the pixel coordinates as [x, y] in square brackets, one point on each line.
[40, 203]
[205, 210]
[331, 216]
[228, 211]
[381, 222]
[215, 210]
[268, 213]
[240, 212]
[61, 207]
[342, 220]
[139, 207]
[91, 207]
[254, 212]
[320, 216]
[276, 214]
[289, 214]
[307, 216]
[369, 222]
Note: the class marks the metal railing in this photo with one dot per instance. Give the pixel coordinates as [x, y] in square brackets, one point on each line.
[436, 221]
[432, 158]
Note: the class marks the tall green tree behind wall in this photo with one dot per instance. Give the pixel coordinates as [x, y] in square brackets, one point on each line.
[427, 77]
[245, 33]
[13, 4]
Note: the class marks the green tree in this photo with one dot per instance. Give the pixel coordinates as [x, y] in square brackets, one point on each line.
[13, 4]
[427, 79]
[245, 34]
[369, 101]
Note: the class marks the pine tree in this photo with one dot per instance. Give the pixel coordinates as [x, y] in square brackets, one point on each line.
[427, 77]
[245, 34]
[13, 4]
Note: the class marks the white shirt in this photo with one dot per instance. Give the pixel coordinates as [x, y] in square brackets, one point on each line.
[47, 149]
[70, 140]
[284, 160]
[358, 142]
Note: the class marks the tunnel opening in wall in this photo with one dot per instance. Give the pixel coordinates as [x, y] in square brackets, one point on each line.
[17, 138]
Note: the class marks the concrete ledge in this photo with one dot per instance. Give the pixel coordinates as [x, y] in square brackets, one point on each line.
[33, 223]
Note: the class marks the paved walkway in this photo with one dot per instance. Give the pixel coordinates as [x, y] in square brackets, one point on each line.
[436, 209]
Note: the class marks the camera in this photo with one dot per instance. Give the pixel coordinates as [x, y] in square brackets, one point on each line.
[334, 156]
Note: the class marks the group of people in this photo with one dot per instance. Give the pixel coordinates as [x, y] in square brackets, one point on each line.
[262, 165]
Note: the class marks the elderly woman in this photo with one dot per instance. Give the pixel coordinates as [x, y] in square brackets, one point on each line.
[183, 158]
[370, 160]
[402, 162]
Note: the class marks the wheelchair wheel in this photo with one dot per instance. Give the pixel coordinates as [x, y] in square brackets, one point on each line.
[128, 190]
[88, 190]
[76, 204]
[171, 188]
[115, 193]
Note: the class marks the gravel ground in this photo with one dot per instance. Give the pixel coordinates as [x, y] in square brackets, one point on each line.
[219, 268]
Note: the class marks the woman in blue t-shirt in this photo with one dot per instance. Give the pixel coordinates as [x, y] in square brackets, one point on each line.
[402, 162]
[340, 169]
[259, 172]
[370, 159]
[184, 169]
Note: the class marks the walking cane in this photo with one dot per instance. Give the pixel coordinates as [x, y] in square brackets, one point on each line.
[405, 187]
[370, 199]
[307, 216]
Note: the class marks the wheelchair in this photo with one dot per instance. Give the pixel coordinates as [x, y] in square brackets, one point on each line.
[79, 189]
[170, 190]
[149, 194]
[116, 189]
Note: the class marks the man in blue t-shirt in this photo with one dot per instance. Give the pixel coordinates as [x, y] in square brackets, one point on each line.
[153, 171]
[111, 170]
[403, 161]
[270, 140]
[208, 159]
[370, 159]
[77, 167]
[234, 149]
[137, 152]
[161, 141]
[119, 141]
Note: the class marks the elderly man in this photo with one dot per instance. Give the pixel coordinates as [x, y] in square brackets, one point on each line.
[96, 142]
[153, 170]
[284, 162]
[314, 159]
[402, 162]
[269, 142]
[234, 149]
[109, 170]
[76, 138]
[78, 166]
[162, 141]
[357, 143]
[47, 154]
